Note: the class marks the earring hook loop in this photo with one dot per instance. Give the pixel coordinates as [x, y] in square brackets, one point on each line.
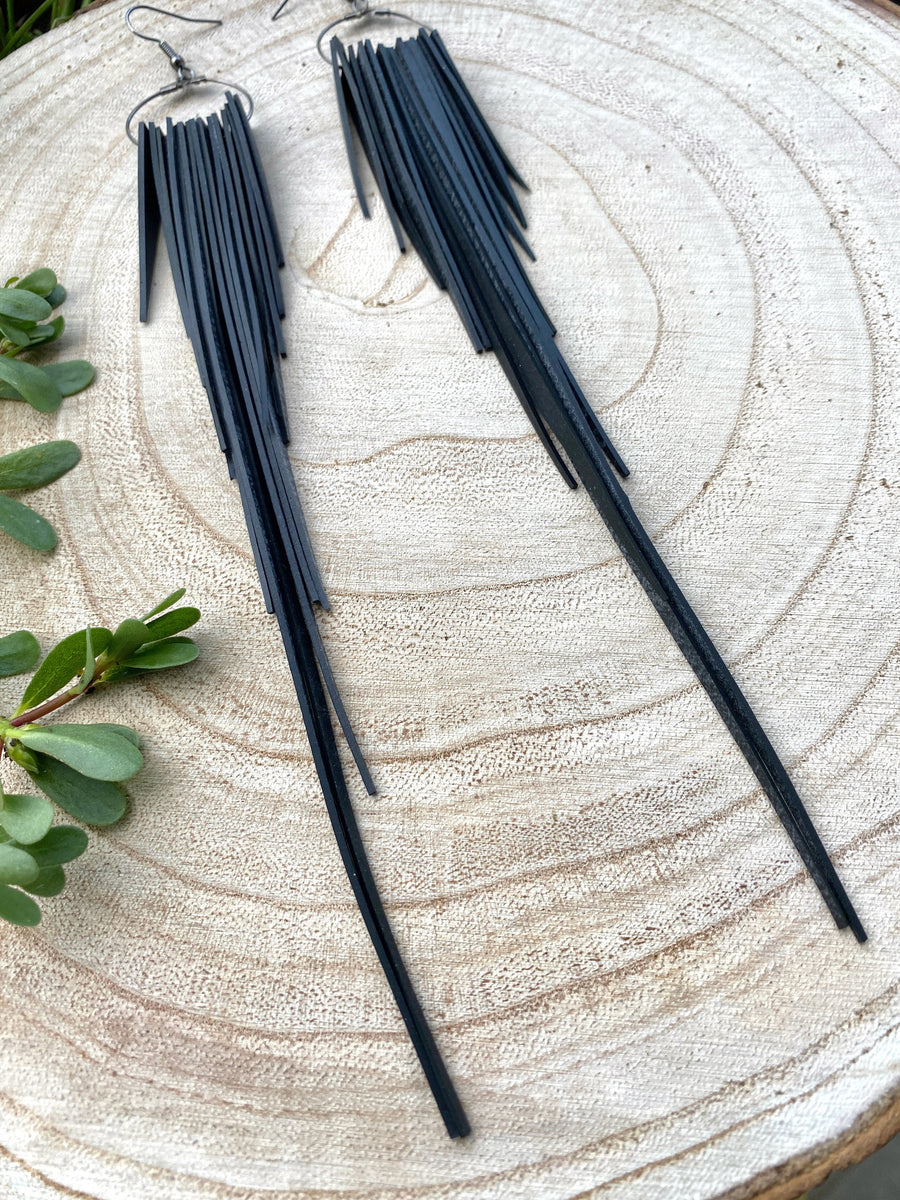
[173, 56]
[185, 76]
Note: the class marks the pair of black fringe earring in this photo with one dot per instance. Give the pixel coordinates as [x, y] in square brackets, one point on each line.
[447, 186]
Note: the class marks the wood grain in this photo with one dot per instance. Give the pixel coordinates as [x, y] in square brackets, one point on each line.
[637, 989]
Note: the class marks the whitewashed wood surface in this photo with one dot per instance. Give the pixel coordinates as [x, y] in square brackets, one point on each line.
[638, 990]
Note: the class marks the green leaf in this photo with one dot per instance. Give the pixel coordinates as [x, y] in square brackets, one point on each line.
[124, 731]
[90, 800]
[50, 882]
[16, 333]
[40, 281]
[23, 305]
[36, 466]
[172, 622]
[164, 604]
[56, 296]
[25, 525]
[130, 635]
[26, 818]
[20, 323]
[173, 652]
[19, 652]
[61, 665]
[70, 377]
[87, 673]
[89, 749]
[33, 384]
[17, 908]
[113, 674]
[16, 865]
[43, 335]
[60, 845]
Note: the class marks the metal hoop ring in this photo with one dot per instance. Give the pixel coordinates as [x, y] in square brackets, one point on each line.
[361, 16]
[180, 86]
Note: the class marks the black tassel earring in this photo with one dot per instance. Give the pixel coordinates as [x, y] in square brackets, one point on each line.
[202, 183]
[448, 187]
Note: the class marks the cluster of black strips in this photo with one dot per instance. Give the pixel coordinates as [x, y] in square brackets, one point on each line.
[202, 181]
[446, 184]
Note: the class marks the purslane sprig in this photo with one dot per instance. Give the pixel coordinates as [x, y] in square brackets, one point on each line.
[26, 324]
[78, 767]
[25, 470]
[26, 306]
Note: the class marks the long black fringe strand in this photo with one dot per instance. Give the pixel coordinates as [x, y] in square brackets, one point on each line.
[202, 182]
[447, 185]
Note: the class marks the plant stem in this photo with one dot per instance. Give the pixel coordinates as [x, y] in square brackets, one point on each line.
[49, 706]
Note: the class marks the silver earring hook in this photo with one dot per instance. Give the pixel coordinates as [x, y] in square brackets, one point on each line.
[173, 56]
[185, 76]
[361, 10]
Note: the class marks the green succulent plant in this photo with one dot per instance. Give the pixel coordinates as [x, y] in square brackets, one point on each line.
[26, 324]
[25, 470]
[79, 768]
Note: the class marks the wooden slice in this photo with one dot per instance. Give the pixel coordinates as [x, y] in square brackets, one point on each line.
[638, 990]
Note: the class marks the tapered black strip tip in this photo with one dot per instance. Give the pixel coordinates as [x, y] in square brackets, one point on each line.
[148, 220]
[459, 1128]
[616, 459]
[855, 924]
[340, 88]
